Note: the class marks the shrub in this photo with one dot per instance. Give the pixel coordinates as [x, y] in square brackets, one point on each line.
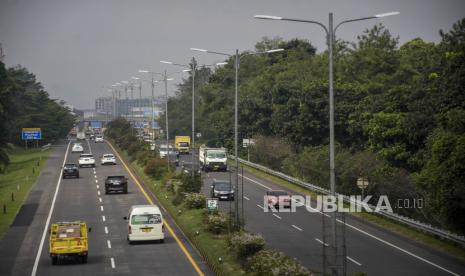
[178, 199]
[191, 184]
[142, 157]
[269, 262]
[217, 223]
[195, 200]
[245, 244]
[156, 167]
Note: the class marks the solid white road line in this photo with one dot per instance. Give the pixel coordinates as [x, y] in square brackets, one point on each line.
[108, 243]
[100, 199]
[106, 230]
[256, 182]
[260, 207]
[277, 216]
[354, 261]
[401, 249]
[320, 241]
[101, 208]
[112, 262]
[296, 227]
[47, 223]
[103, 218]
[372, 236]
[246, 198]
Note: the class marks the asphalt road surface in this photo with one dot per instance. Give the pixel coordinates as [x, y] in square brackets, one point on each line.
[370, 248]
[24, 248]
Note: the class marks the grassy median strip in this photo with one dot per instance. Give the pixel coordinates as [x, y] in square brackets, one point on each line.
[401, 229]
[17, 181]
[213, 248]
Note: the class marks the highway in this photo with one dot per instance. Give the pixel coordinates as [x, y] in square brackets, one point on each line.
[24, 248]
[370, 248]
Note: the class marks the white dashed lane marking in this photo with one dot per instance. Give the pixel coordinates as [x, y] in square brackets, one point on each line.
[354, 261]
[298, 228]
[109, 244]
[246, 198]
[106, 230]
[103, 218]
[277, 216]
[100, 199]
[318, 240]
[112, 262]
[101, 208]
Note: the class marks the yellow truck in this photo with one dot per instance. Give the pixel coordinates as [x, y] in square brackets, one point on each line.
[182, 144]
[68, 239]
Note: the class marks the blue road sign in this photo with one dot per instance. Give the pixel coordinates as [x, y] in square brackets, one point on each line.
[31, 134]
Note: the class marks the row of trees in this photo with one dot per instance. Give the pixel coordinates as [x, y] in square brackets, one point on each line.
[25, 103]
[399, 115]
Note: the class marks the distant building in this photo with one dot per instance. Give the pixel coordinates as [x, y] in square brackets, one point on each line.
[104, 105]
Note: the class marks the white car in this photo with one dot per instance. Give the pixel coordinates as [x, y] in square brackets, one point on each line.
[86, 159]
[99, 139]
[145, 223]
[108, 159]
[77, 148]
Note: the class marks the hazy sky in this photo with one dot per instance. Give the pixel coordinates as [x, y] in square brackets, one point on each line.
[76, 47]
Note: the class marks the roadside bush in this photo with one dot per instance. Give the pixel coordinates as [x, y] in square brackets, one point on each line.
[270, 262]
[191, 184]
[178, 199]
[195, 200]
[172, 185]
[156, 167]
[142, 157]
[245, 244]
[217, 223]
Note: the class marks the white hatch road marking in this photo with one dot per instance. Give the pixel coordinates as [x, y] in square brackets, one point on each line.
[354, 261]
[106, 230]
[101, 208]
[277, 216]
[49, 217]
[318, 240]
[246, 198]
[372, 236]
[98, 192]
[103, 218]
[109, 243]
[100, 199]
[112, 262]
[260, 207]
[296, 227]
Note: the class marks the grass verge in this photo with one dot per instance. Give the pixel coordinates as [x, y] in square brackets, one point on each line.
[17, 181]
[213, 248]
[398, 228]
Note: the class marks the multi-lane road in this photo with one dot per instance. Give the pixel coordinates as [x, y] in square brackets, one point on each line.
[24, 248]
[370, 248]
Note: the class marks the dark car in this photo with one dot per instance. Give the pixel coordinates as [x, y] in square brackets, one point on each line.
[222, 189]
[116, 183]
[70, 170]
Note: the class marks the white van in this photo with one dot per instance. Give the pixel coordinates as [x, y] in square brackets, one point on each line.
[145, 223]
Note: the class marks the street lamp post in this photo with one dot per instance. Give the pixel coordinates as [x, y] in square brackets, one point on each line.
[330, 32]
[193, 69]
[237, 59]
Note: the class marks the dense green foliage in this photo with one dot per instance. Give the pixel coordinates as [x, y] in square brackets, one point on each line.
[25, 103]
[399, 115]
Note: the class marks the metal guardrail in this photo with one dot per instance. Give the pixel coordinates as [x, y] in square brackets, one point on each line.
[396, 217]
